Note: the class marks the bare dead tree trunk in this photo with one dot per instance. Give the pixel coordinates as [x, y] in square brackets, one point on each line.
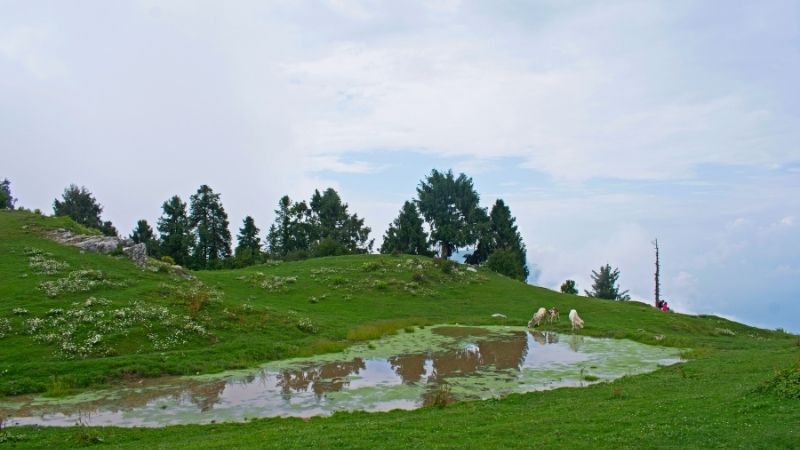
[658, 274]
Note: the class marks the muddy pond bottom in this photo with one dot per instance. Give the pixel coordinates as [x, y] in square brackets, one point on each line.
[414, 368]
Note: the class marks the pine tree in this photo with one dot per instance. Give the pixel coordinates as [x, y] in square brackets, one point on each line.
[80, 205]
[248, 248]
[209, 222]
[405, 234]
[506, 261]
[500, 231]
[568, 287]
[176, 235]
[450, 206]
[143, 233]
[108, 229]
[7, 200]
[333, 224]
[605, 285]
[322, 227]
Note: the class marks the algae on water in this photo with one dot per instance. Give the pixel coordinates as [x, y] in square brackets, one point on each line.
[402, 371]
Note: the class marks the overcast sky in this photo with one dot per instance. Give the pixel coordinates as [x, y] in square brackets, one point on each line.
[602, 125]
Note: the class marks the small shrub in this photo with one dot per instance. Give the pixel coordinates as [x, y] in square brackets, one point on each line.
[58, 388]
[371, 266]
[785, 383]
[305, 325]
[20, 311]
[590, 378]
[86, 437]
[446, 266]
[418, 277]
[441, 396]
[329, 247]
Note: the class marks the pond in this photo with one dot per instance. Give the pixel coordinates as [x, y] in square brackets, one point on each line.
[405, 371]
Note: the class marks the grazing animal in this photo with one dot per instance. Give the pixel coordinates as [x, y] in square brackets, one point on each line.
[537, 318]
[552, 315]
[577, 322]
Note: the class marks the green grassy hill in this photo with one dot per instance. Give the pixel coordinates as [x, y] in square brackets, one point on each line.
[71, 320]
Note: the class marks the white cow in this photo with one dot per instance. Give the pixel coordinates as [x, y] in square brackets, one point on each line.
[537, 318]
[577, 322]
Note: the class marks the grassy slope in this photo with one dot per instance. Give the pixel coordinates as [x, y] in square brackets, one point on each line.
[709, 401]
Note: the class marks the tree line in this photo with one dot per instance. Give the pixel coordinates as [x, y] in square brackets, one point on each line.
[444, 217]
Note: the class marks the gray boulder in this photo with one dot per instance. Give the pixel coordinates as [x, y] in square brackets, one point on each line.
[103, 244]
[137, 253]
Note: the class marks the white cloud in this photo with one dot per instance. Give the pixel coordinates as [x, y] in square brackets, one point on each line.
[27, 46]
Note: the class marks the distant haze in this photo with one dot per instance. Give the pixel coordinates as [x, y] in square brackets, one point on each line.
[602, 125]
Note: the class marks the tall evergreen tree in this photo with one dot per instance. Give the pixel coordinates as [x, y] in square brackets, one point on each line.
[108, 229]
[506, 261]
[209, 222]
[323, 226]
[143, 234]
[79, 204]
[7, 200]
[605, 284]
[450, 205]
[248, 248]
[500, 232]
[176, 234]
[405, 234]
[568, 287]
[333, 223]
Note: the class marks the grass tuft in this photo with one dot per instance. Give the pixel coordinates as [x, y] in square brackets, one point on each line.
[376, 330]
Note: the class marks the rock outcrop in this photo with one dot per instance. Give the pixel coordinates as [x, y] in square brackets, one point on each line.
[137, 253]
[103, 244]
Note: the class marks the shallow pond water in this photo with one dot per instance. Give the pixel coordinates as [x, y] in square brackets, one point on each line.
[404, 371]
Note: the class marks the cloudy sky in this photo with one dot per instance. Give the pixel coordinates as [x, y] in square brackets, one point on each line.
[603, 125]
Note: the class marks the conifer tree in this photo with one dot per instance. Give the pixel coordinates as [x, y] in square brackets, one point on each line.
[405, 233]
[333, 224]
[176, 234]
[322, 227]
[248, 248]
[108, 229]
[500, 231]
[209, 224]
[143, 234]
[506, 261]
[605, 284]
[568, 287]
[450, 205]
[7, 200]
[79, 204]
